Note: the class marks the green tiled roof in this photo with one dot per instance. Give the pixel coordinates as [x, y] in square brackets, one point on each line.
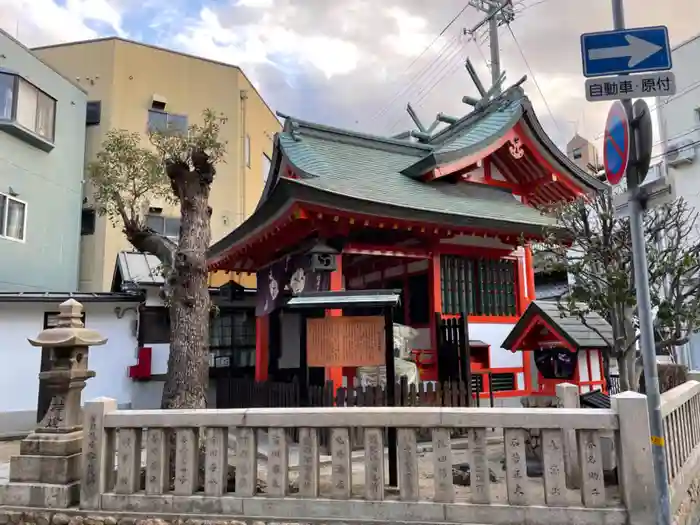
[367, 171]
[471, 133]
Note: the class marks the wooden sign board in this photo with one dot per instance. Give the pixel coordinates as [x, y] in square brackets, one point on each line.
[345, 341]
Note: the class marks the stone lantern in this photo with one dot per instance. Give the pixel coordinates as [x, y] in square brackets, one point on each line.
[46, 473]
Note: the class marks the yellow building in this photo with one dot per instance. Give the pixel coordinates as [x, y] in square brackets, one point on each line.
[133, 86]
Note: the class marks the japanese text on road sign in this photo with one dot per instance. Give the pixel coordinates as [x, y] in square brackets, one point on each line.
[633, 86]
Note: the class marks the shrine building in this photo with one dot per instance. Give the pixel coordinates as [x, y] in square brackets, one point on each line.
[446, 218]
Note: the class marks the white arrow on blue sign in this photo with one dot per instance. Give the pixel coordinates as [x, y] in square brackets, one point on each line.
[625, 51]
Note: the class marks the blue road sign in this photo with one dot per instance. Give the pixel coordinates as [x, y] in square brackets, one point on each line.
[616, 146]
[625, 51]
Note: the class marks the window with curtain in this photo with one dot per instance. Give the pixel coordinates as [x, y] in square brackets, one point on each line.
[27, 105]
[27, 99]
[45, 113]
[7, 93]
[12, 217]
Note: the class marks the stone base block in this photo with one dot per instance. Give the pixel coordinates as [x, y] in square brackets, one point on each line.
[39, 444]
[42, 495]
[58, 470]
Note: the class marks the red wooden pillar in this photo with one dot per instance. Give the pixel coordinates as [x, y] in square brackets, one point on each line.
[527, 294]
[335, 373]
[262, 349]
[529, 273]
[435, 296]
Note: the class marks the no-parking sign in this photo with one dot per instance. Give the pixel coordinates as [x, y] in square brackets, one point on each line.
[616, 148]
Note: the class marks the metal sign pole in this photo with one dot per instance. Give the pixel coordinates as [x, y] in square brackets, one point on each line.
[646, 327]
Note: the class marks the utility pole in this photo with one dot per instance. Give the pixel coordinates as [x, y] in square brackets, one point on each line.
[498, 13]
[646, 326]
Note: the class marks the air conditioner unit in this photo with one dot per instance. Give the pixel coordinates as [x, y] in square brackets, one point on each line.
[681, 152]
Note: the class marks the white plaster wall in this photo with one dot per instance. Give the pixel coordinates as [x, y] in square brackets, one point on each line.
[19, 382]
[494, 335]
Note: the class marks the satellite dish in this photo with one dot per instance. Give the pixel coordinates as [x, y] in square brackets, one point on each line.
[643, 138]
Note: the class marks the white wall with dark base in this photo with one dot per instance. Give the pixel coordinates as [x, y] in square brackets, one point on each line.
[20, 362]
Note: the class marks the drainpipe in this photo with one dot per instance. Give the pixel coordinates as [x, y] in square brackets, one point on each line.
[243, 163]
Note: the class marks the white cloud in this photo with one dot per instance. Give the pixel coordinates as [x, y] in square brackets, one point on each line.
[260, 43]
[412, 36]
[42, 22]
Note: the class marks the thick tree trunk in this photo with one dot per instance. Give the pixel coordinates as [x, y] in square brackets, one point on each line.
[188, 364]
[624, 377]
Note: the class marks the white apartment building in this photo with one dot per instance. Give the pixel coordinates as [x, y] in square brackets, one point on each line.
[679, 132]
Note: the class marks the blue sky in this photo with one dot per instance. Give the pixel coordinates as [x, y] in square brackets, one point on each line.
[357, 63]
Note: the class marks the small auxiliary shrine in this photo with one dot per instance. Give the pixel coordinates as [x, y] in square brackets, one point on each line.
[563, 349]
[438, 216]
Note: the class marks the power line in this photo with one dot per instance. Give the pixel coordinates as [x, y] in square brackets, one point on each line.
[425, 91]
[692, 87]
[417, 77]
[440, 34]
[675, 150]
[534, 78]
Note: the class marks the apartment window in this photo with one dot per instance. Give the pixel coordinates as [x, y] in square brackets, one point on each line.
[93, 114]
[576, 153]
[7, 95]
[247, 150]
[266, 165]
[87, 222]
[27, 105]
[168, 226]
[13, 218]
[163, 122]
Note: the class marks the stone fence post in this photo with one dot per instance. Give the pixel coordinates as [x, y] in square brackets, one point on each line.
[47, 471]
[635, 463]
[568, 397]
[694, 375]
[98, 453]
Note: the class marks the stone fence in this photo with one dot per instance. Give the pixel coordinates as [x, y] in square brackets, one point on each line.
[680, 408]
[113, 481]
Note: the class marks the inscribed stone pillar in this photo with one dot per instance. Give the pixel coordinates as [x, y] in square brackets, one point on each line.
[46, 473]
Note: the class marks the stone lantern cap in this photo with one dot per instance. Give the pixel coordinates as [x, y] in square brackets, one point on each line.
[70, 330]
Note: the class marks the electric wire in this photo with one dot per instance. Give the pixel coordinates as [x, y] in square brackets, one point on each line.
[496, 12]
[440, 34]
[451, 65]
[408, 86]
[534, 78]
[689, 89]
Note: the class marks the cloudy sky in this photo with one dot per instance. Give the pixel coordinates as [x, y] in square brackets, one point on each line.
[356, 63]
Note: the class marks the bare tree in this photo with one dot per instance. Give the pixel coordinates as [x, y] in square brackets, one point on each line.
[597, 254]
[179, 165]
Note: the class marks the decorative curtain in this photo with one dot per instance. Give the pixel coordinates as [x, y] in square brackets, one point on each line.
[291, 274]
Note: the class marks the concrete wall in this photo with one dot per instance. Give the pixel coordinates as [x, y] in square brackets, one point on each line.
[49, 182]
[125, 76]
